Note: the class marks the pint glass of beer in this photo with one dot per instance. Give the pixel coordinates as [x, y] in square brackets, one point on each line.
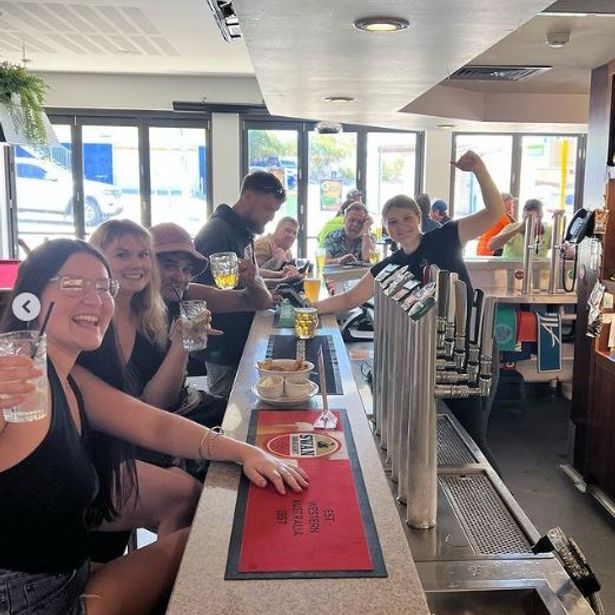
[306, 321]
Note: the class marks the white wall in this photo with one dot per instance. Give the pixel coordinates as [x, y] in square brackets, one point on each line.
[437, 170]
[226, 146]
[145, 92]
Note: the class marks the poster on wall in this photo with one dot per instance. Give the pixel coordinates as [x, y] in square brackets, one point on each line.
[330, 194]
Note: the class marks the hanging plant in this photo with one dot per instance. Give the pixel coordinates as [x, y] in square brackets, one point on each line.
[23, 94]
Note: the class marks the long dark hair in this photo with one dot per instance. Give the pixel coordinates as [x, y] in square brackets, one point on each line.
[113, 458]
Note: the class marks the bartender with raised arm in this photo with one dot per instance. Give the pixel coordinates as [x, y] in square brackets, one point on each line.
[401, 217]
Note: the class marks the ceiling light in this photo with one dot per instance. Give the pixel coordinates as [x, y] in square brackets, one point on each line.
[381, 24]
[446, 126]
[338, 100]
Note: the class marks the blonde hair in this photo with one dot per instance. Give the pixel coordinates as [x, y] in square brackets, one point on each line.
[147, 306]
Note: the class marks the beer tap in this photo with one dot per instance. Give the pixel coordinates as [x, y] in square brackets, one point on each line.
[461, 315]
[476, 319]
[443, 298]
[449, 340]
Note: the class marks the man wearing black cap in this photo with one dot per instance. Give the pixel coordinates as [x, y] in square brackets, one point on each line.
[232, 229]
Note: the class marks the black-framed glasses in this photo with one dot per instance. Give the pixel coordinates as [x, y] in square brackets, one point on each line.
[78, 286]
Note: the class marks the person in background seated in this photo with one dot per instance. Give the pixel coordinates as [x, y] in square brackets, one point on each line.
[439, 212]
[273, 252]
[427, 224]
[482, 249]
[354, 242]
[337, 222]
[512, 237]
[61, 474]
[401, 218]
[233, 229]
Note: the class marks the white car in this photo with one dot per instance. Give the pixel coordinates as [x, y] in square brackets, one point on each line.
[46, 188]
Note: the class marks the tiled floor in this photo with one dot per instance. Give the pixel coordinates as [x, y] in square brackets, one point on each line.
[530, 442]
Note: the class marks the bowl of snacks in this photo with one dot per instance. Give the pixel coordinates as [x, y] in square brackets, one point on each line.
[284, 367]
[297, 386]
[270, 387]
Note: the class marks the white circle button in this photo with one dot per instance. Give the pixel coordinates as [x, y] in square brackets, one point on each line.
[26, 306]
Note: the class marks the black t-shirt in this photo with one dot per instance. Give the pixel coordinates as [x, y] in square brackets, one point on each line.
[225, 232]
[44, 498]
[440, 247]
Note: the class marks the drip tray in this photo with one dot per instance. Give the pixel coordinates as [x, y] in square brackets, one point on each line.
[452, 449]
[473, 522]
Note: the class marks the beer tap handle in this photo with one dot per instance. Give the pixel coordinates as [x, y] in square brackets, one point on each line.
[461, 308]
[476, 317]
[452, 278]
[443, 293]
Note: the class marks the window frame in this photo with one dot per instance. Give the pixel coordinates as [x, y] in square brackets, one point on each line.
[143, 121]
[516, 159]
[303, 128]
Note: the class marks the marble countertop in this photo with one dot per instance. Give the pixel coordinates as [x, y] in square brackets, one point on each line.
[200, 585]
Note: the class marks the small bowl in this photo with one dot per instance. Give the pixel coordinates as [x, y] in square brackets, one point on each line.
[284, 368]
[270, 387]
[297, 386]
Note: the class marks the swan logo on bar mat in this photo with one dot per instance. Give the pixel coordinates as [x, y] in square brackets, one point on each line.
[302, 445]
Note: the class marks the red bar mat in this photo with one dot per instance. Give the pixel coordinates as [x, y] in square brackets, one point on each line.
[326, 531]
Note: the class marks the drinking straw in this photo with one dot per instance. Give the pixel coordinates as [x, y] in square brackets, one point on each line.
[42, 331]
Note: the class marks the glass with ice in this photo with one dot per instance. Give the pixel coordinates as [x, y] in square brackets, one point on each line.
[36, 403]
[195, 324]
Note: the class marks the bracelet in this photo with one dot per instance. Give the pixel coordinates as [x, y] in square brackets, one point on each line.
[210, 435]
[215, 433]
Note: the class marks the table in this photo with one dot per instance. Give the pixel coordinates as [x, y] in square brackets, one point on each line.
[339, 274]
[200, 586]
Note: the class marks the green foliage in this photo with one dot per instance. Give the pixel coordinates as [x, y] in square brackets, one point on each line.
[391, 169]
[327, 154]
[265, 143]
[30, 88]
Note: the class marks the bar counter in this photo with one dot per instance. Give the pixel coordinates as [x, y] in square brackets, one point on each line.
[200, 586]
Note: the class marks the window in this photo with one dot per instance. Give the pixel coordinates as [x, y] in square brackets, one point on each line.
[178, 176]
[496, 152]
[44, 193]
[548, 171]
[391, 167]
[319, 170]
[276, 151]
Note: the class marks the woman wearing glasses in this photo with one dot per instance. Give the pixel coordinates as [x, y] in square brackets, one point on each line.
[60, 474]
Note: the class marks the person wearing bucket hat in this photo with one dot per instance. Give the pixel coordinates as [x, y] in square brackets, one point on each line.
[180, 263]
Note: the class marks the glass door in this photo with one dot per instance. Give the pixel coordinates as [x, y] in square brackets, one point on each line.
[332, 173]
[111, 184]
[178, 176]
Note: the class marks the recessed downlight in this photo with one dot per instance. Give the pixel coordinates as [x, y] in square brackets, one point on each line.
[445, 126]
[381, 24]
[339, 100]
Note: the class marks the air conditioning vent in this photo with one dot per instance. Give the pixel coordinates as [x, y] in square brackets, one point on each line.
[496, 73]
[582, 7]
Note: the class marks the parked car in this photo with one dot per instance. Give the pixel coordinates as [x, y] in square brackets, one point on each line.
[48, 188]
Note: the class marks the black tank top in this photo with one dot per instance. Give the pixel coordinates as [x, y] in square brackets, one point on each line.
[44, 498]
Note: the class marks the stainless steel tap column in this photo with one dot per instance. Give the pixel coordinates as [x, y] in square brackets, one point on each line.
[421, 467]
[529, 253]
[557, 239]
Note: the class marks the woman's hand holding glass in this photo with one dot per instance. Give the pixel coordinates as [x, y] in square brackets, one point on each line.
[261, 467]
[15, 374]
